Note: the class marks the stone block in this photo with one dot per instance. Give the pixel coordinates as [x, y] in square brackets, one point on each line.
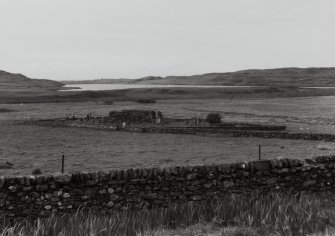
[245, 174]
[110, 204]
[63, 178]
[102, 175]
[271, 180]
[137, 172]
[41, 188]
[151, 196]
[3, 195]
[210, 176]
[102, 191]
[191, 176]
[113, 197]
[208, 185]
[131, 173]
[262, 165]
[26, 189]
[309, 183]
[228, 184]
[2, 181]
[40, 179]
[13, 189]
[196, 198]
[66, 195]
[111, 174]
[110, 190]
[34, 195]
[48, 195]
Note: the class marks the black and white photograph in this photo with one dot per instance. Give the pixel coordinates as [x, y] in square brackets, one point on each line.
[167, 118]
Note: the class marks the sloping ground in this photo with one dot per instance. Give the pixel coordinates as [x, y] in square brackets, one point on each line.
[16, 83]
[309, 77]
[17, 88]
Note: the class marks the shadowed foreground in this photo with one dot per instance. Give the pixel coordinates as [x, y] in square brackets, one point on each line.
[251, 214]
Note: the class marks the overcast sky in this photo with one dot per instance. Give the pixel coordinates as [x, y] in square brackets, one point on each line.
[91, 39]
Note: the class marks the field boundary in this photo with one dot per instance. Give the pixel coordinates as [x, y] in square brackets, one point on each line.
[279, 132]
[39, 195]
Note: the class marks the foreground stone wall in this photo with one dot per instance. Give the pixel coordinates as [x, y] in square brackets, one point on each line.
[32, 196]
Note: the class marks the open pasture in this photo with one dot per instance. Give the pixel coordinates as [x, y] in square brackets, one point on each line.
[300, 114]
[29, 147]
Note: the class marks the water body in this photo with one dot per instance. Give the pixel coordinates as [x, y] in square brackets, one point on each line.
[101, 87]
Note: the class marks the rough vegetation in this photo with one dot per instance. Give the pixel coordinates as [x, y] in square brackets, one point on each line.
[234, 215]
[309, 77]
[32, 196]
[274, 213]
[280, 83]
[297, 77]
[16, 83]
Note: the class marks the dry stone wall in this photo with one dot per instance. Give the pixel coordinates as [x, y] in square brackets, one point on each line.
[234, 132]
[226, 131]
[136, 116]
[31, 196]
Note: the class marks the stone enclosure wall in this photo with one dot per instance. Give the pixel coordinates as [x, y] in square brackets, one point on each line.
[136, 116]
[234, 132]
[32, 196]
[226, 131]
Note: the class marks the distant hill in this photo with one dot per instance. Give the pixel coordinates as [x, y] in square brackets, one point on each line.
[307, 77]
[10, 82]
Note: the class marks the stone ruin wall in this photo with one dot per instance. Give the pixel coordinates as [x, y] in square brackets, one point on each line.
[235, 132]
[31, 196]
[133, 116]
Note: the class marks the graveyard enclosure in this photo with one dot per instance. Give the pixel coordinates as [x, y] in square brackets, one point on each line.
[32, 196]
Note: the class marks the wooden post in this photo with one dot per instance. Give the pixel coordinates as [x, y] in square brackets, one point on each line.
[259, 152]
[62, 164]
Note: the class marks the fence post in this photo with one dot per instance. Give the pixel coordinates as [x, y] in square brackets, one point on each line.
[62, 164]
[259, 152]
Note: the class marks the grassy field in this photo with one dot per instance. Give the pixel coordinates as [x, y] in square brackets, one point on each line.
[29, 147]
[302, 110]
[305, 114]
[17, 97]
[234, 215]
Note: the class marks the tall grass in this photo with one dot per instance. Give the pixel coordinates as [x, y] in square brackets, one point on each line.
[279, 213]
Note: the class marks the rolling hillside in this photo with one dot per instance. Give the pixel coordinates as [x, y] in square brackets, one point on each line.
[17, 88]
[297, 77]
[10, 82]
[310, 77]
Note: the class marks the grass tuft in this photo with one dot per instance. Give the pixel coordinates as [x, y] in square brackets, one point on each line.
[235, 215]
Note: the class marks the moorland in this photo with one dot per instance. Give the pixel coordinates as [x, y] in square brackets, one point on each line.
[300, 109]
[284, 98]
